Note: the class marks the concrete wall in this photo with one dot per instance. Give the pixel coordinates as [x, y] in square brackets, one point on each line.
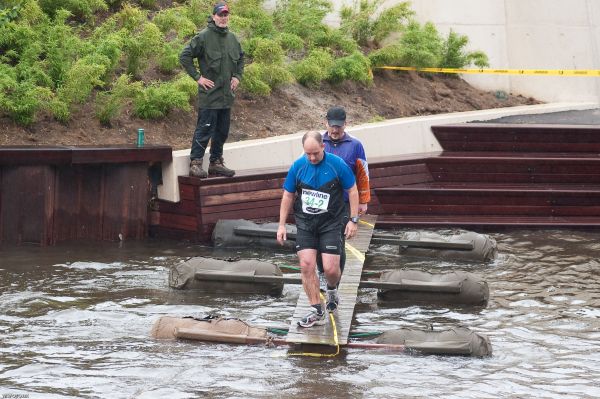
[522, 34]
[389, 138]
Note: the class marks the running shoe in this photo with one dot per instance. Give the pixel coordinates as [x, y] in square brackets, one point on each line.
[312, 319]
[333, 300]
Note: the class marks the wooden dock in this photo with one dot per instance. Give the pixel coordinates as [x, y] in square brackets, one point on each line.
[323, 335]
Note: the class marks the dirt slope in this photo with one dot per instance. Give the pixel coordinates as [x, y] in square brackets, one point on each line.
[288, 110]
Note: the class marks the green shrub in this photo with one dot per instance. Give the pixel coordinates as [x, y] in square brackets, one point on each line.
[312, 70]
[455, 56]
[300, 17]
[82, 9]
[260, 78]
[198, 11]
[156, 100]
[140, 46]
[421, 46]
[276, 75]
[377, 118]
[31, 13]
[267, 51]
[253, 83]
[355, 67]
[109, 104]
[184, 84]
[60, 110]
[387, 56]
[130, 18]
[20, 38]
[34, 73]
[168, 61]
[249, 19]
[10, 13]
[290, 42]
[393, 20]
[174, 19]
[23, 100]
[360, 21]
[109, 46]
[333, 39]
[61, 46]
[80, 80]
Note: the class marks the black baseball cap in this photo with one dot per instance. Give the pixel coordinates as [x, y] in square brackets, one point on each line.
[336, 116]
[220, 8]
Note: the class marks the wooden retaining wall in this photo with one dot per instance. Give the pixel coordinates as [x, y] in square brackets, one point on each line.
[256, 195]
[54, 194]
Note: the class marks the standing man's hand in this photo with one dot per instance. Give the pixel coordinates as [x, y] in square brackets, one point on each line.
[281, 234]
[362, 209]
[351, 229]
[234, 83]
[206, 83]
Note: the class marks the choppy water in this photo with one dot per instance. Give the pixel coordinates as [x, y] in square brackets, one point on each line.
[75, 320]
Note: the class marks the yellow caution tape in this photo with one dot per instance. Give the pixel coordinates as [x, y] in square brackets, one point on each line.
[543, 72]
[367, 223]
[355, 252]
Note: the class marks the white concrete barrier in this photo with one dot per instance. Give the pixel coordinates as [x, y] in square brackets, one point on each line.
[388, 138]
[520, 34]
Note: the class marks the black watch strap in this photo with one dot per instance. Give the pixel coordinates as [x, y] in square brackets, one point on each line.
[354, 219]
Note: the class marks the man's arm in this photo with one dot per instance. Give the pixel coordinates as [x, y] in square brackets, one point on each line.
[352, 227]
[286, 206]
[186, 57]
[239, 69]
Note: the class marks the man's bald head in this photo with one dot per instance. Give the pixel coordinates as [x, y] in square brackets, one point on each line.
[312, 143]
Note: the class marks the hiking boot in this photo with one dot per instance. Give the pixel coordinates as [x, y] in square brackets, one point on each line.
[196, 169]
[218, 168]
[322, 282]
[332, 300]
[313, 318]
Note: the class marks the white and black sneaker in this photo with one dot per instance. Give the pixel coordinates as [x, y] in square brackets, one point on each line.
[313, 318]
[322, 281]
[333, 300]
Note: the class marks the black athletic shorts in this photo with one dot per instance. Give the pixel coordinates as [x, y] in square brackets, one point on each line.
[326, 242]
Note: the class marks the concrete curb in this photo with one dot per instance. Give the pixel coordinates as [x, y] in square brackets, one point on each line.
[388, 138]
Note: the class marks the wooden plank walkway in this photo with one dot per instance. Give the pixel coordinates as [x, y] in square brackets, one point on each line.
[355, 256]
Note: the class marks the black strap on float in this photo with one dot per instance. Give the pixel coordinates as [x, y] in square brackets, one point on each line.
[391, 239]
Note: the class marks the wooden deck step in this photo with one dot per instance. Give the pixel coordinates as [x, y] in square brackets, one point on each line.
[523, 200]
[323, 335]
[518, 137]
[490, 167]
[488, 222]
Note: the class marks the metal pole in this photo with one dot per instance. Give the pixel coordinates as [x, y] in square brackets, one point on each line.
[376, 239]
[452, 287]
[189, 333]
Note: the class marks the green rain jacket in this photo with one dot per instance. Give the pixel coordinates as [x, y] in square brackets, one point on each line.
[220, 57]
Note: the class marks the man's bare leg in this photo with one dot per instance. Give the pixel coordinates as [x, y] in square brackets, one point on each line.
[308, 263]
[331, 267]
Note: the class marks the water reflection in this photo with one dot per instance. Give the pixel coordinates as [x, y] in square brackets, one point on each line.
[75, 320]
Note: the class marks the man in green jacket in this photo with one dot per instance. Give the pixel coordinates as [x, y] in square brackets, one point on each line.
[221, 62]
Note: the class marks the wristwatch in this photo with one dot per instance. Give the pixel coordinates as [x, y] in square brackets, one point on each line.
[354, 219]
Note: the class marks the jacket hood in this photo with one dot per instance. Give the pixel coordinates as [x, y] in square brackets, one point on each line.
[213, 26]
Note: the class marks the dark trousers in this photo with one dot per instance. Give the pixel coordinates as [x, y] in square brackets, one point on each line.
[213, 126]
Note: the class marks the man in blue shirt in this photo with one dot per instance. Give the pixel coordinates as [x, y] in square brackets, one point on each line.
[314, 187]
